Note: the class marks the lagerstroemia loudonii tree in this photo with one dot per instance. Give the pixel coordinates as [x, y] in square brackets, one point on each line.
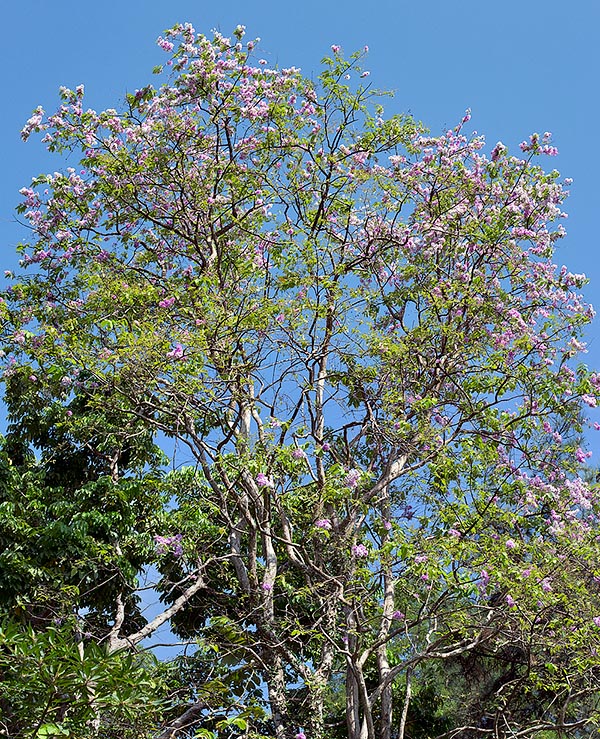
[358, 332]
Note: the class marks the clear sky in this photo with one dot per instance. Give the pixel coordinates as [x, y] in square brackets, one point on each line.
[520, 65]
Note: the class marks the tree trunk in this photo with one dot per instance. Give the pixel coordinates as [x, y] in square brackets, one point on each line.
[278, 696]
[316, 720]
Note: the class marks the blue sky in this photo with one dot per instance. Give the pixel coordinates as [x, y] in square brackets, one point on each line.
[520, 66]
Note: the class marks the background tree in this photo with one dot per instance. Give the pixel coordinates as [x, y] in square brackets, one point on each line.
[357, 332]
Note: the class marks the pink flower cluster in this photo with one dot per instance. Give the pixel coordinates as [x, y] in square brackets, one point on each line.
[264, 481]
[177, 352]
[352, 479]
[169, 545]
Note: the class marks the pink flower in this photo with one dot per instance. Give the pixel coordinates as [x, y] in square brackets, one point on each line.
[266, 586]
[596, 620]
[510, 601]
[300, 735]
[166, 303]
[323, 523]
[169, 544]
[484, 579]
[497, 151]
[581, 456]
[164, 44]
[398, 615]
[335, 48]
[263, 481]
[510, 544]
[352, 479]
[360, 550]
[365, 74]
[298, 454]
[177, 352]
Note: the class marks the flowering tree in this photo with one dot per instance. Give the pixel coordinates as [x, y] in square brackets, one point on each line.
[357, 332]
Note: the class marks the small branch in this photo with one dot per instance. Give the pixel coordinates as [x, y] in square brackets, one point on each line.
[184, 722]
[115, 643]
[404, 715]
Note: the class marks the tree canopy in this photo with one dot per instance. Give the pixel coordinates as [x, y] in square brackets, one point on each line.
[314, 371]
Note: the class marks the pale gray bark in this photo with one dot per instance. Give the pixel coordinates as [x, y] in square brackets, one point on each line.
[184, 723]
[115, 642]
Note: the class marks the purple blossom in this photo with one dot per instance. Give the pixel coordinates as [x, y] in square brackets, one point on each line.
[166, 303]
[360, 550]
[264, 481]
[323, 523]
[267, 586]
[581, 456]
[300, 735]
[510, 601]
[398, 616]
[484, 579]
[510, 544]
[352, 479]
[298, 454]
[177, 352]
[596, 621]
[164, 44]
[169, 545]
